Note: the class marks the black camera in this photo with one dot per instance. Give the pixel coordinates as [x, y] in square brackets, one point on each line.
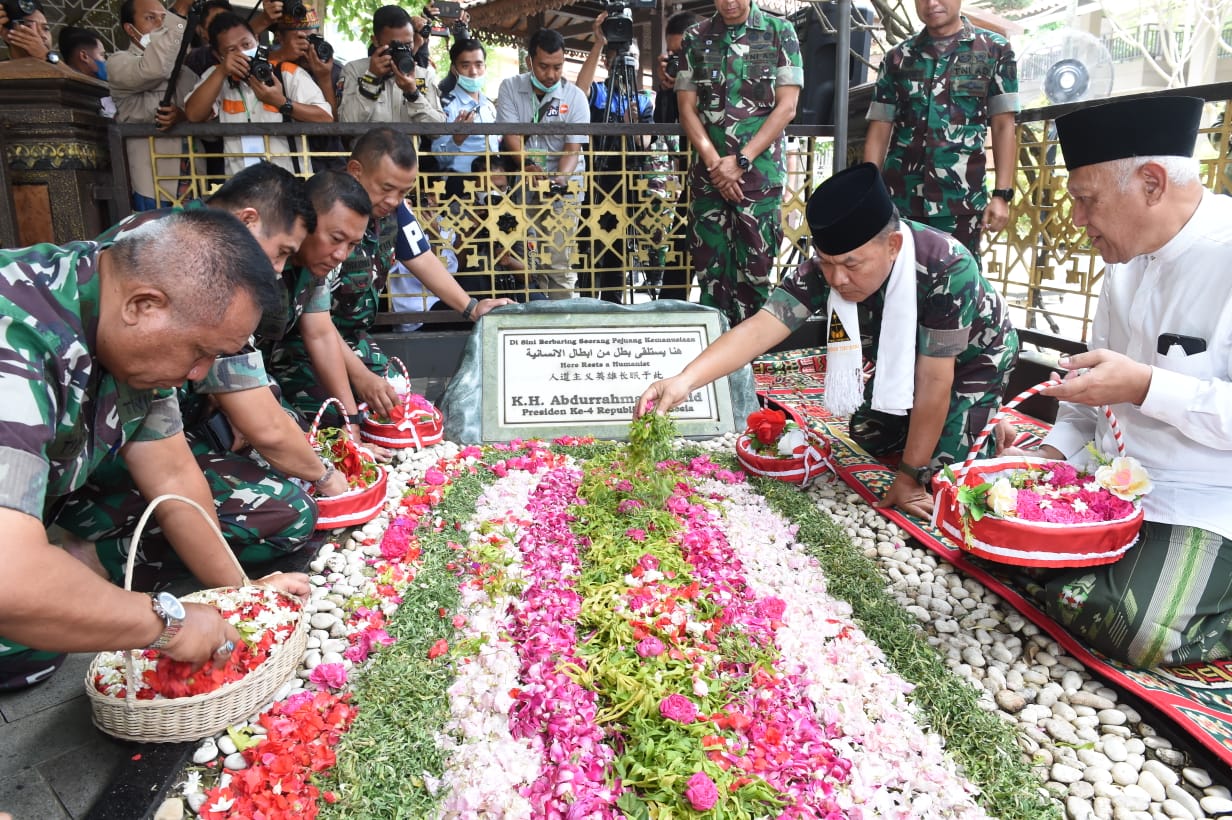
[556, 189]
[403, 57]
[618, 27]
[18, 9]
[673, 65]
[259, 66]
[325, 52]
[294, 8]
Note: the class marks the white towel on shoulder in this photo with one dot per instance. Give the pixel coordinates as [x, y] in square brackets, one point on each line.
[894, 388]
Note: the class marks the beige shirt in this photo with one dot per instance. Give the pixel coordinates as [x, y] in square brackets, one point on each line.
[138, 80]
[389, 105]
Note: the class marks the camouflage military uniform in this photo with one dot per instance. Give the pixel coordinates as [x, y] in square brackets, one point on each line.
[735, 72]
[959, 314]
[357, 291]
[940, 101]
[64, 415]
[286, 357]
[263, 513]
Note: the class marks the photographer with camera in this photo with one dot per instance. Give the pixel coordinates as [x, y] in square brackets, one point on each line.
[246, 87]
[24, 29]
[390, 86]
[298, 40]
[201, 57]
[139, 77]
[552, 164]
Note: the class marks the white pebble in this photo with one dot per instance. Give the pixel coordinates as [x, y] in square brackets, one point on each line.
[207, 751]
[1164, 774]
[1198, 778]
[1135, 798]
[1062, 773]
[1150, 784]
[1124, 774]
[1216, 805]
[1178, 795]
[235, 762]
[226, 745]
[195, 801]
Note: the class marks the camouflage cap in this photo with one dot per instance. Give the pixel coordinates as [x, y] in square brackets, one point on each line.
[309, 22]
[848, 209]
[1148, 127]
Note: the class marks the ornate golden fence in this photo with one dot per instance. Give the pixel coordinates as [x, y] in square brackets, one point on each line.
[624, 219]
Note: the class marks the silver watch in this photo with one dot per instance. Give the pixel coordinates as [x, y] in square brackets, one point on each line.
[330, 469]
[171, 610]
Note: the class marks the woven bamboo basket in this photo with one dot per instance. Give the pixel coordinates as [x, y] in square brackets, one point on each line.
[1014, 541]
[417, 429]
[354, 507]
[178, 720]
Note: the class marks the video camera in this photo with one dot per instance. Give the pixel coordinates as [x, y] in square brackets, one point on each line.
[17, 10]
[403, 56]
[325, 52]
[259, 66]
[618, 27]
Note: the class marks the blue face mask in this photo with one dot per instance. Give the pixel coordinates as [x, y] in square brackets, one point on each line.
[471, 85]
[100, 69]
[546, 89]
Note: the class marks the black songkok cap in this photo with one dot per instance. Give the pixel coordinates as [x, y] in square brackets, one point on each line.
[848, 209]
[1147, 127]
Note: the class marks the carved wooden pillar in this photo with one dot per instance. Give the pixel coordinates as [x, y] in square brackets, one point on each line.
[54, 144]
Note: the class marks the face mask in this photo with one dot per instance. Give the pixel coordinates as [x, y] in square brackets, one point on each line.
[143, 41]
[100, 69]
[472, 85]
[546, 89]
[250, 52]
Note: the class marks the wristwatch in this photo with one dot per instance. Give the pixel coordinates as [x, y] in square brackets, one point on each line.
[1004, 193]
[330, 470]
[743, 161]
[53, 57]
[922, 475]
[286, 109]
[171, 610]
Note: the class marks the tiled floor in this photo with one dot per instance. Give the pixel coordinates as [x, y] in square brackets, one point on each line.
[54, 762]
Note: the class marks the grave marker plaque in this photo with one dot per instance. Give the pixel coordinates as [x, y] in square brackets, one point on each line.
[577, 367]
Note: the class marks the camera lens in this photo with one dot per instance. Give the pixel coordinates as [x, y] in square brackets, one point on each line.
[27, 6]
[295, 8]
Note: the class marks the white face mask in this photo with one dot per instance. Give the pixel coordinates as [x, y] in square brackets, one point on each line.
[143, 41]
[250, 52]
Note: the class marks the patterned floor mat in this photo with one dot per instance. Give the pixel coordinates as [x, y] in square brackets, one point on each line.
[1196, 697]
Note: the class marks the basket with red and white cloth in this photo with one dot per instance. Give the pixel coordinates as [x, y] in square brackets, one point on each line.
[367, 479]
[415, 423]
[1038, 512]
[777, 447]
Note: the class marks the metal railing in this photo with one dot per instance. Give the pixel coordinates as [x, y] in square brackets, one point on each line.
[626, 220]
